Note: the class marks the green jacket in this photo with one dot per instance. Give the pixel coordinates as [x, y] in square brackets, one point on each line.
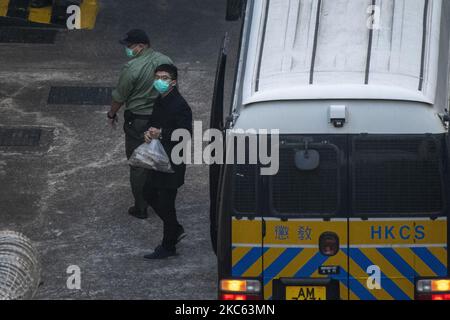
[135, 87]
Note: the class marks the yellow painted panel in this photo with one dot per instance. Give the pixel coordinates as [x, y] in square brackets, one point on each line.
[4, 7]
[398, 232]
[238, 254]
[435, 232]
[297, 263]
[338, 260]
[361, 276]
[40, 15]
[440, 254]
[89, 12]
[290, 269]
[247, 232]
[419, 266]
[269, 257]
[303, 232]
[353, 296]
[390, 271]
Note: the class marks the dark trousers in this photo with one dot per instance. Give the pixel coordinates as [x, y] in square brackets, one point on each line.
[163, 202]
[134, 137]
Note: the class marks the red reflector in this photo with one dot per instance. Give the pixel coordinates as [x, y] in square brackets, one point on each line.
[440, 297]
[233, 297]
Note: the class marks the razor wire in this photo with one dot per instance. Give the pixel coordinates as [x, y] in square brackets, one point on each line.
[19, 267]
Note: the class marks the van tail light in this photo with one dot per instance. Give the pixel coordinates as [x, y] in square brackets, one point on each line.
[236, 297]
[440, 297]
[240, 289]
[433, 289]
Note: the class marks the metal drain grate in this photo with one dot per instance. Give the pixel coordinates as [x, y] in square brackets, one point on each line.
[80, 95]
[15, 137]
[27, 35]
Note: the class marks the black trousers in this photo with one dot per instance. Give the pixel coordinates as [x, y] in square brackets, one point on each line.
[134, 137]
[163, 202]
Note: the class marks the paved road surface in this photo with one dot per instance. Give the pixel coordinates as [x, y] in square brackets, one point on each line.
[72, 200]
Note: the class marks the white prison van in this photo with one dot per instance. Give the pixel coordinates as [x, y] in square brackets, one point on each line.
[358, 90]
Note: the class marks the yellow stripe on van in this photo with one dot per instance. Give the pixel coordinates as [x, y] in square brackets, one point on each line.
[398, 232]
[401, 248]
[89, 12]
[269, 257]
[417, 264]
[353, 297]
[40, 15]
[390, 271]
[361, 276]
[289, 270]
[246, 232]
[4, 7]
[239, 253]
[440, 253]
[301, 233]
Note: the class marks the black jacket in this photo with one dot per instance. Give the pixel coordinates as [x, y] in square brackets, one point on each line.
[169, 114]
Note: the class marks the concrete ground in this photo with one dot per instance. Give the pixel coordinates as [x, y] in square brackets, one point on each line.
[72, 199]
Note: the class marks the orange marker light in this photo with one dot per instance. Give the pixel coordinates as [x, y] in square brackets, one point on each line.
[440, 285]
[233, 285]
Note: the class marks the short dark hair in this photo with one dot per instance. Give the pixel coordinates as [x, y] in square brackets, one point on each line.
[170, 69]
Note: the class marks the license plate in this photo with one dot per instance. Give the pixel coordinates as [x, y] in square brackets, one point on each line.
[306, 293]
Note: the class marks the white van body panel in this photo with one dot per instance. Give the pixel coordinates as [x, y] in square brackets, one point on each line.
[281, 46]
[274, 90]
[364, 116]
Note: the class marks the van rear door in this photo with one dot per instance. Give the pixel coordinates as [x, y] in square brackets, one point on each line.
[398, 231]
[305, 221]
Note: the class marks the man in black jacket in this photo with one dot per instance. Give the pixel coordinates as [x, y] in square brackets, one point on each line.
[171, 112]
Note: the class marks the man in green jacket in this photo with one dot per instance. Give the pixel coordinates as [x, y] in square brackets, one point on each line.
[135, 91]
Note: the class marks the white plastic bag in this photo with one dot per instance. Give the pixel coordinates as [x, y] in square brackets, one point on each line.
[151, 156]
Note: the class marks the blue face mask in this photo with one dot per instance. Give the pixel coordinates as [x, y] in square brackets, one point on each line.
[130, 53]
[161, 86]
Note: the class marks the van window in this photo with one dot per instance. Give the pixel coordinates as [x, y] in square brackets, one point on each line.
[314, 192]
[397, 175]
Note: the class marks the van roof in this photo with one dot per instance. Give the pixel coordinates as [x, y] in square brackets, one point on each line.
[313, 49]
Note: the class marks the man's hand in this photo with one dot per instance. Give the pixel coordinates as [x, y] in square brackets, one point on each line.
[112, 119]
[112, 114]
[147, 137]
[154, 133]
